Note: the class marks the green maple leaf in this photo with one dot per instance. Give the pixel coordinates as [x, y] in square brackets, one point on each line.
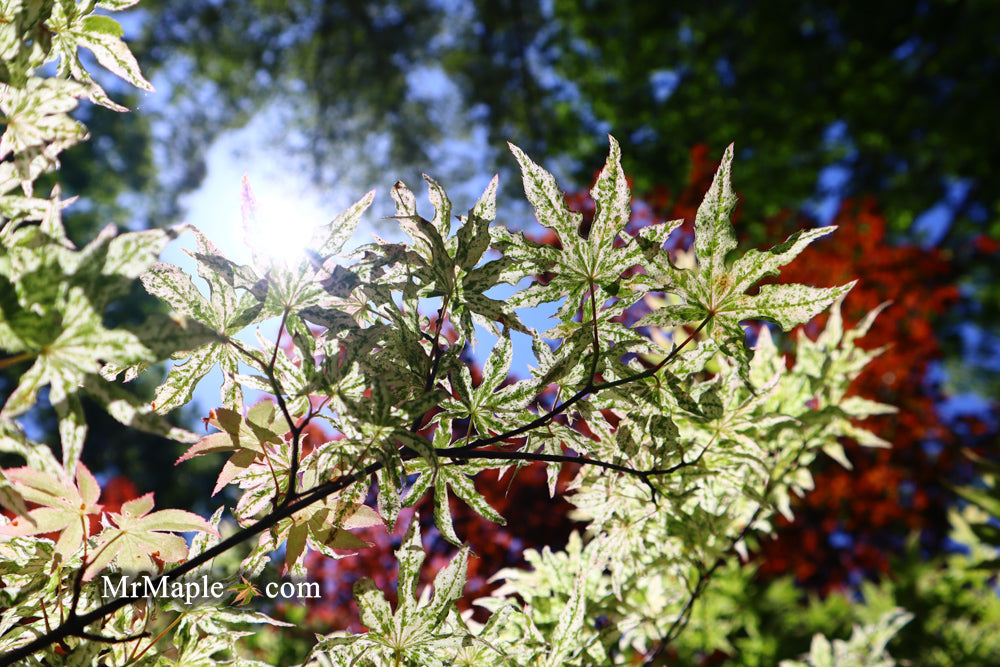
[72, 28]
[135, 537]
[591, 268]
[53, 299]
[716, 290]
[447, 266]
[224, 312]
[38, 115]
[68, 348]
[488, 405]
[324, 527]
[458, 478]
[240, 296]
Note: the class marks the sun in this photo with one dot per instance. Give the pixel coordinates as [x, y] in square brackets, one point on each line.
[278, 224]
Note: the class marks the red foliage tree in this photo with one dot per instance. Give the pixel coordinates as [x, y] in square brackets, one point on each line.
[846, 529]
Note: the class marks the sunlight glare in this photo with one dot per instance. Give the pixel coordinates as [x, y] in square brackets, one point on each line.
[278, 224]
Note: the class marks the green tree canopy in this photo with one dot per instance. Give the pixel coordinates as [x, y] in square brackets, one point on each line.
[830, 100]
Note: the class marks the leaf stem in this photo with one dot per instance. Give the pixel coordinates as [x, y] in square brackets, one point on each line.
[155, 639]
[16, 359]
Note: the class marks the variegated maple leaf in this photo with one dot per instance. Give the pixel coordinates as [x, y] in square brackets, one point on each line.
[717, 291]
[418, 631]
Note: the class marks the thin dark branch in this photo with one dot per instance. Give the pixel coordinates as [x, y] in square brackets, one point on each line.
[296, 429]
[590, 388]
[436, 349]
[78, 578]
[704, 577]
[559, 458]
[656, 369]
[435, 359]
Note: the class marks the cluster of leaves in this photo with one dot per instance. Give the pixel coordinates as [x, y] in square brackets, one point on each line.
[860, 515]
[753, 620]
[890, 493]
[875, 501]
[689, 450]
[856, 520]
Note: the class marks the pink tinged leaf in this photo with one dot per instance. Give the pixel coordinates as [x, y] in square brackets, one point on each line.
[39, 520]
[174, 521]
[105, 554]
[363, 517]
[166, 547]
[65, 506]
[216, 442]
[71, 538]
[248, 211]
[137, 506]
[132, 558]
[90, 490]
[236, 464]
[135, 551]
[39, 487]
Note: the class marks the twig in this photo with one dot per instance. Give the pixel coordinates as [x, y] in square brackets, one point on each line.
[590, 388]
[296, 429]
[558, 458]
[703, 578]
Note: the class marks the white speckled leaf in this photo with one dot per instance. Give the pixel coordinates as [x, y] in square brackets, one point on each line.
[713, 227]
[786, 305]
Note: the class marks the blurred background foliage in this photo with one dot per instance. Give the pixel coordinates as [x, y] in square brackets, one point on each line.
[826, 101]
[878, 117]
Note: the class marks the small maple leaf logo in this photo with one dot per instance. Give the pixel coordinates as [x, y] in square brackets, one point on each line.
[245, 591]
